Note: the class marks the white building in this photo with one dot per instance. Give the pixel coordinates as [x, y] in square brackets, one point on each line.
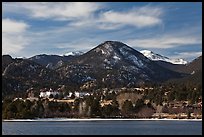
[79, 94]
[46, 94]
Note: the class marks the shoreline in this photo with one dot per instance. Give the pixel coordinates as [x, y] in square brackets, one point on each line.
[91, 119]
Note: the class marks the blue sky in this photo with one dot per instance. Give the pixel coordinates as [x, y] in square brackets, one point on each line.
[171, 29]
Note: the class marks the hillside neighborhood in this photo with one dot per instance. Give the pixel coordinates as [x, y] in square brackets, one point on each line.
[108, 103]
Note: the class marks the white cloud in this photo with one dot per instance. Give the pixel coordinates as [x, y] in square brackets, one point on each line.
[11, 26]
[13, 39]
[109, 20]
[83, 14]
[164, 42]
[55, 10]
[13, 44]
[138, 17]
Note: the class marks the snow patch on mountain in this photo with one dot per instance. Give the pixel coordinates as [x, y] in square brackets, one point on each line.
[106, 49]
[76, 53]
[135, 60]
[103, 52]
[116, 57]
[125, 51]
[155, 57]
[179, 61]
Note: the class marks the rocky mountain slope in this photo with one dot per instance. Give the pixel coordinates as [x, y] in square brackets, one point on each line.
[117, 64]
[51, 61]
[21, 74]
[111, 64]
[189, 68]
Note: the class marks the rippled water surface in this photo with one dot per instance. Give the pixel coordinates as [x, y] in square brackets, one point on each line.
[103, 128]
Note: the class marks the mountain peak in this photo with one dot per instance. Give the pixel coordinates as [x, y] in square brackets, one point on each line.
[108, 44]
[115, 53]
[109, 47]
[112, 42]
[156, 57]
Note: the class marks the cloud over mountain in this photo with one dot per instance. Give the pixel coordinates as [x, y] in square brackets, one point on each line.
[13, 36]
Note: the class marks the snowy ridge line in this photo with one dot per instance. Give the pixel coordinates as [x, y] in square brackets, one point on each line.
[156, 57]
[92, 119]
[76, 53]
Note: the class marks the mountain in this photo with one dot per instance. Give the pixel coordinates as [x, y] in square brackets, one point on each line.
[6, 60]
[157, 57]
[51, 61]
[27, 69]
[54, 61]
[116, 64]
[177, 65]
[12, 86]
[22, 74]
[193, 66]
[194, 69]
[189, 68]
[111, 64]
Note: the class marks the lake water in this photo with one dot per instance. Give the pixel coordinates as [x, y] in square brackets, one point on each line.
[109, 127]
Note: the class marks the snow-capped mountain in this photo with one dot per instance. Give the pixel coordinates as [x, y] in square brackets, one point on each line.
[155, 57]
[76, 53]
[111, 64]
[114, 63]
